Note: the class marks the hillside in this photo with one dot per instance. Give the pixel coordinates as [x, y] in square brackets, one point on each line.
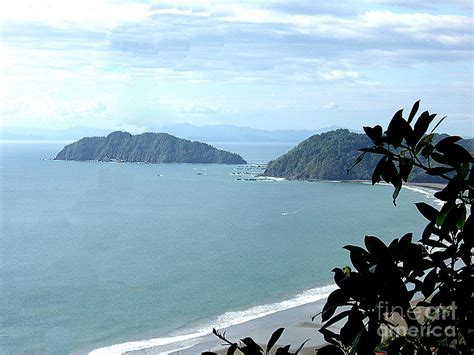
[146, 147]
[328, 156]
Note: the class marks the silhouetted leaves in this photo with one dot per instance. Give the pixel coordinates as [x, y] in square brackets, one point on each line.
[274, 338]
[386, 279]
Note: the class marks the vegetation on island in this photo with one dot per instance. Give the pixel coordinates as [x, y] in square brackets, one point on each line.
[147, 148]
[410, 296]
[329, 156]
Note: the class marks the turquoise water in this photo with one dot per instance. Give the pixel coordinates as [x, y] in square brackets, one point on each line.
[95, 254]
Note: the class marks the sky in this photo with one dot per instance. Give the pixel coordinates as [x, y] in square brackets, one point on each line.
[270, 64]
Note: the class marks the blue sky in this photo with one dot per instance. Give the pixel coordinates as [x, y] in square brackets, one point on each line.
[138, 65]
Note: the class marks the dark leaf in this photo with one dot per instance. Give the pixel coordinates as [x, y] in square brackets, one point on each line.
[413, 111]
[374, 133]
[429, 283]
[336, 319]
[439, 170]
[398, 186]
[440, 158]
[376, 175]
[375, 246]
[429, 212]
[252, 345]
[434, 243]
[445, 142]
[359, 259]
[329, 336]
[455, 152]
[356, 162]
[330, 350]
[274, 338]
[284, 350]
[405, 165]
[398, 129]
[301, 347]
[439, 122]
[421, 125]
[426, 140]
[232, 349]
[406, 239]
[395, 346]
[335, 299]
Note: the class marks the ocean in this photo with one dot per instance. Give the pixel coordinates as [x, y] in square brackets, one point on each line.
[98, 254]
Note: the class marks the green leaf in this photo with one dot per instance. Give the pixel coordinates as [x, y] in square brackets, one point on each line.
[445, 210]
[413, 111]
[274, 338]
[426, 140]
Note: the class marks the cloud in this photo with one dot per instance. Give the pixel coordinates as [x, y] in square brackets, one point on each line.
[340, 75]
[212, 57]
[331, 106]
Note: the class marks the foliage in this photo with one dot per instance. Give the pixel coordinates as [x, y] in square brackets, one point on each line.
[250, 347]
[433, 274]
[329, 156]
[146, 147]
[410, 297]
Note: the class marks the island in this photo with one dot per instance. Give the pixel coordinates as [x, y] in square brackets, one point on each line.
[146, 148]
[328, 156]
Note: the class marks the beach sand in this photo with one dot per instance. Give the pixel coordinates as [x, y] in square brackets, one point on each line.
[296, 321]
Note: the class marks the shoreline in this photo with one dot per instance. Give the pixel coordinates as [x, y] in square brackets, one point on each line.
[295, 319]
[258, 322]
[297, 323]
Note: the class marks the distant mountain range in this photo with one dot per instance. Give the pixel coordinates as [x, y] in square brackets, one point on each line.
[231, 133]
[210, 133]
[146, 148]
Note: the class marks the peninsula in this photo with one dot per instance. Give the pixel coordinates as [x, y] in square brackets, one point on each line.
[329, 155]
[146, 148]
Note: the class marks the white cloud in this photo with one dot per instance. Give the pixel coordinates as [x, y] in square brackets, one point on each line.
[331, 106]
[90, 14]
[338, 74]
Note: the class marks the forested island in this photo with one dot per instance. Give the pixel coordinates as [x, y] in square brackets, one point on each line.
[329, 155]
[147, 148]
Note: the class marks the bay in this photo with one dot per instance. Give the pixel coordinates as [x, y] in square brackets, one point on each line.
[94, 254]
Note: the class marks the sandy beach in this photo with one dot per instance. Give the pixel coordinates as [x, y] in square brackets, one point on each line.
[297, 323]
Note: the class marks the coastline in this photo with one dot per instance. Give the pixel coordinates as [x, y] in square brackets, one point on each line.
[296, 319]
[258, 322]
[297, 323]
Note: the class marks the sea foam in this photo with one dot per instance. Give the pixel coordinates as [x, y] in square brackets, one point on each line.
[223, 321]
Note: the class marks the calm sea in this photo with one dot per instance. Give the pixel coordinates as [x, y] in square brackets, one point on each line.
[96, 254]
